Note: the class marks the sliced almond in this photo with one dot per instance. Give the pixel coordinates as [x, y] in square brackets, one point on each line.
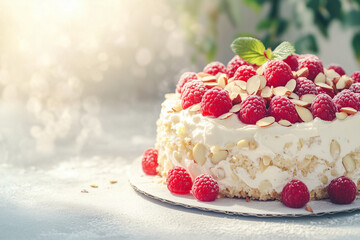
[348, 82]
[199, 153]
[253, 84]
[303, 72]
[308, 98]
[320, 78]
[222, 81]
[253, 144]
[281, 91]
[195, 108]
[291, 84]
[230, 80]
[341, 83]
[294, 96]
[266, 121]
[210, 84]
[335, 149]
[236, 89]
[243, 95]
[266, 92]
[284, 123]
[308, 208]
[300, 103]
[241, 84]
[262, 81]
[235, 108]
[177, 107]
[349, 163]
[202, 74]
[225, 115]
[324, 85]
[331, 74]
[348, 110]
[243, 144]
[304, 113]
[219, 156]
[341, 115]
[207, 79]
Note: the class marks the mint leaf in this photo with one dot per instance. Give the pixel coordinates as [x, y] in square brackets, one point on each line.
[269, 54]
[249, 49]
[284, 50]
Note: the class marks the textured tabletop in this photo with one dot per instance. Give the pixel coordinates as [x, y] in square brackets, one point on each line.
[54, 200]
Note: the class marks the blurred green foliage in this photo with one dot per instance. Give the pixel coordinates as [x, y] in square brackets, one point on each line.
[200, 18]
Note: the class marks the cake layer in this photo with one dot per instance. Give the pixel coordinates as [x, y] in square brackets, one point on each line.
[257, 162]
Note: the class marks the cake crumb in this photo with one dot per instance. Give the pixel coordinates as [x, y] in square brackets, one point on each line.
[84, 191]
[113, 181]
[94, 186]
[247, 199]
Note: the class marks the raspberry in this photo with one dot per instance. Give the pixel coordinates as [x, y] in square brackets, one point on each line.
[355, 87]
[205, 188]
[214, 68]
[342, 190]
[282, 108]
[234, 64]
[337, 68]
[295, 194]
[325, 91]
[346, 98]
[277, 73]
[215, 102]
[323, 107]
[252, 109]
[179, 181]
[192, 92]
[292, 61]
[149, 161]
[305, 86]
[244, 72]
[356, 76]
[313, 63]
[185, 78]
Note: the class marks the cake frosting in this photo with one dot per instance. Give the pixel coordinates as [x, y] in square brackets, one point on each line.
[252, 161]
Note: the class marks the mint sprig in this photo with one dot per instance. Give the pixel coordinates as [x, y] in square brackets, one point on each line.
[253, 50]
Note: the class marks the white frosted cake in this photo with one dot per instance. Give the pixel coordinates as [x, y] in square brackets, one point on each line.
[257, 162]
[254, 128]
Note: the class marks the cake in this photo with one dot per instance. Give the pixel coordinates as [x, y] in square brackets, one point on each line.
[288, 118]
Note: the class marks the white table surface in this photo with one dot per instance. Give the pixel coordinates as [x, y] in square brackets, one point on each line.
[45, 201]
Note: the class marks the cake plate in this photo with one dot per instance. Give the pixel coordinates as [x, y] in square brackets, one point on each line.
[152, 187]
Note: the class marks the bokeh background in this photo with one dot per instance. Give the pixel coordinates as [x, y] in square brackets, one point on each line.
[83, 78]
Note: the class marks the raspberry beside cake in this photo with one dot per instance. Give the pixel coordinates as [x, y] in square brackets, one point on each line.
[263, 127]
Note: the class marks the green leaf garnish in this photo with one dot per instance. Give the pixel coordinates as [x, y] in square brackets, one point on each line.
[284, 50]
[249, 49]
[269, 53]
[253, 50]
